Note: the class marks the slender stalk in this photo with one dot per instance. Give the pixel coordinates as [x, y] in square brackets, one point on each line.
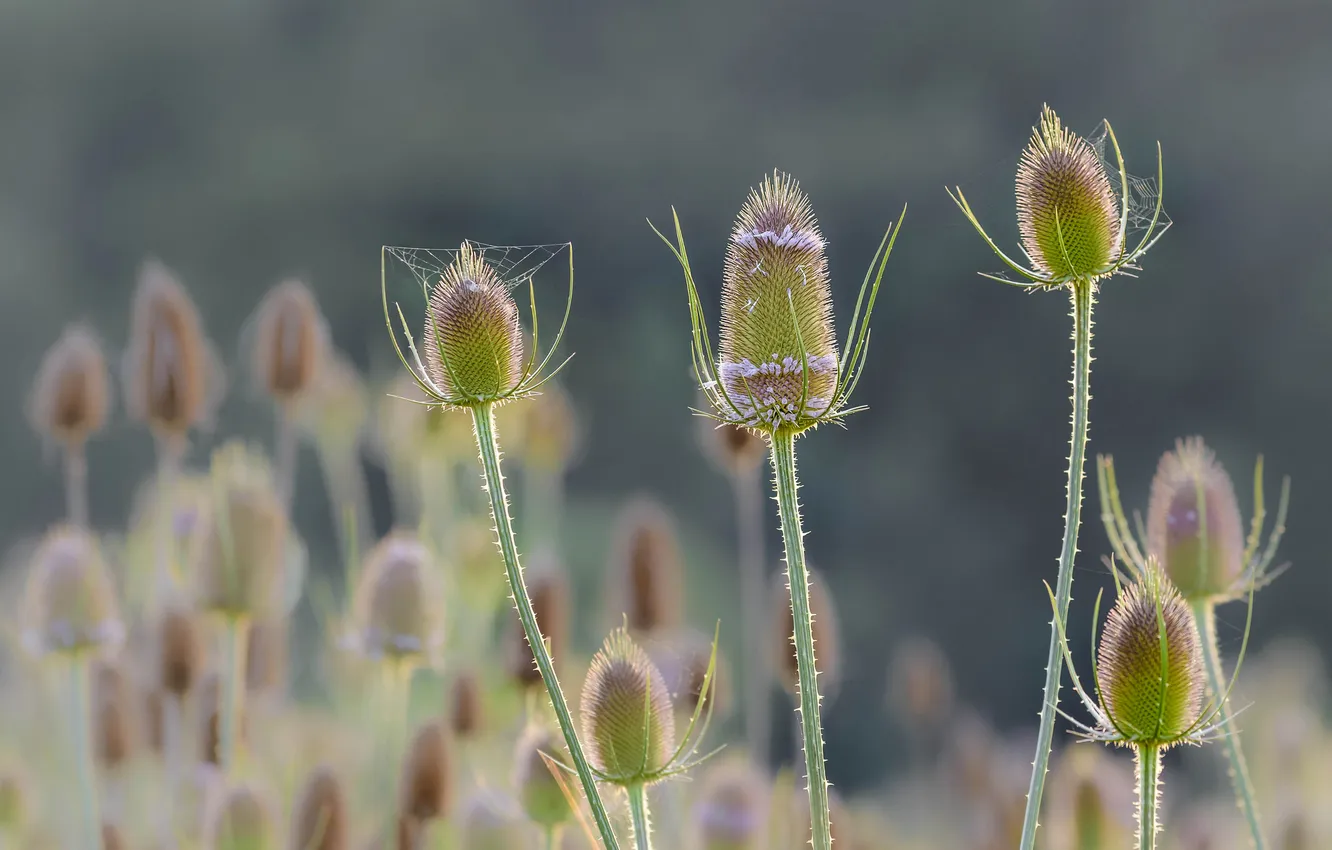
[483, 420]
[286, 452]
[1148, 762]
[76, 485]
[1083, 297]
[638, 812]
[235, 638]
[551, 838]
[169, 453]
[1204, 617]
[347, 497]
[80, 713]
[748, 492]
[395, 707]
[172, 743]
[784, 466]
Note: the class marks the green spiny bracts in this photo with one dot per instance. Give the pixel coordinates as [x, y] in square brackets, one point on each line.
[70, 605]
[628, 721]
[1193, 522]
[1067, 212]
[473, 339]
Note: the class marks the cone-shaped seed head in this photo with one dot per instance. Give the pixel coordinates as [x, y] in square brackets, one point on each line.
[321, 813]
[13, 802]
[72, 391]
[735, 450]
[473, 339]
[551, 430]
[493, 822]
[465, 710]
[113, 696]
[426, 789]
[267, 649]
[647, 569]
[776, 317]
[548, 588]
[70, 604]
[1068, 216]
[179, 651]
[628, 724]
[167, 366]
[1150, 704]
[241, 821]
[111, 838]
[682, 657]
[921, 682]
[730, 812]
[336, 406]
[241, 554]
[1193, 522]
[827, 637]
[289, 340]
[538, 790]
[394, 615]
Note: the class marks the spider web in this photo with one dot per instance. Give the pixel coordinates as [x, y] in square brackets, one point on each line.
[1143, 192]
[515, 264]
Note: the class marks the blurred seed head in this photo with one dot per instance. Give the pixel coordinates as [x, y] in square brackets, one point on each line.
[646, 568]
[70, 604]
[336, 404]
[407, 430]
[778, 343]
[473, 339]
[539, 791]
[210, 718]
[1193, 522]
[320, 821]
[180, 652]
[551, 429]
[548, 588]
[827, 637]
[394, 614]
[628, 723]
[290, 341]
[920, 685]
[427, 783]
[240, 821]
[170, 379]
[111, 837]
[241, 552]
[266, 654]
[491, 821]
[1091, 801]
[1068, 216]
[682, 657]
[72, 392]
[969, 754]
[13, 802]
[113, 721]
[731, 810]
[734, 450]
[465, 708]
[1150, 704]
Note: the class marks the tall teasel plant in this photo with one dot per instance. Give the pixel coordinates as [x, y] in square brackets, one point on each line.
[475, 360]
[777, 372]
[1194, 530]
[1074, 228]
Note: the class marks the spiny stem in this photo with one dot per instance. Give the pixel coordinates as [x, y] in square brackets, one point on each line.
[80, 713]
[784, 466]
[76, 485]
[235, 637]
[483, 420]
[638, 811]
[1204, 617]
[749, 532]
[1083, 296]
[1148, 761]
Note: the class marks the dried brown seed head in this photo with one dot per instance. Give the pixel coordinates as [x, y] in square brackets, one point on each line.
[921, 684]
[70, 603]
[290, 341]
[548, 587]
[113, 698]
[1193, 522]
[465, 709]
[111, 837]
[735, 450]
[267, 649]
[427, 781]
[827, 637]
[646, 568]
[320, 821]
[180, 652]
[72, 393]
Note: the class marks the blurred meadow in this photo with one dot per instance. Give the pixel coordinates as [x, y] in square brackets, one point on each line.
[230, 147]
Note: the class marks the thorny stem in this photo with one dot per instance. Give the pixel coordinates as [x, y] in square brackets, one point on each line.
[236, 633]
[1148, 761]
[638, 811]
[76, 485]
[80, 714]
[1204, 617]
[483, 419]
[749, 527]
[784, 467]
[1083, 296]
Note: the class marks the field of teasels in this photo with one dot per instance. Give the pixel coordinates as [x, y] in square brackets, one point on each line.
[146, 670]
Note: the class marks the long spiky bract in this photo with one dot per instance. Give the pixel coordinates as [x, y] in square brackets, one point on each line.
[1074, 237]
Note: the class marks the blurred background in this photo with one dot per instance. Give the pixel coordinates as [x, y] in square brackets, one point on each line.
[247, 141]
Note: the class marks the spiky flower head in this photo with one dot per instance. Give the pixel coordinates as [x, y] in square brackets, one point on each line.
[320, 821]
[241, 820]
[730, 812]
[628, 722]
[426, 787]
[827, 636]
[289, 342]
[70, 604]
[646, 570]
[72, 392]
[1193, 522]
[539, 790]
[473, 338]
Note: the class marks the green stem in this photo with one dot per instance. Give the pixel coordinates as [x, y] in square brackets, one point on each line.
[235, 636]
[285, 453]
[483, 419]
[783, 462]
[638, 811]
[395, 708]
[80, 712]
[1204, 617]
[1083, 297]
[753, 594]
[1149, 795]
[76, 485]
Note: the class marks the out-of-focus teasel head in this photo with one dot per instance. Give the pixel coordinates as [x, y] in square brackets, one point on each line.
[336, 405]
[171, 378]
[777, 366]
[72, 391]
[473, 338]
[13, 802]
[548, 586]
[465, 710]
[267, 653]
[209, 714]
[240, 555]
[113, 717]
[240, 820]
[179, 651]
[1074, 216]
[1194, 528]
[731, 810]
[1090, 804]
[537, 756]
[111, 837]
[320, 821]
[920, 682]
[646, 570]
[734, 449]
[492, 821]
[290, 341]
[550, 431]
[426, 787]
[628, 719]
[684, 658]
[827, 635]
[394, 615]
[70, 603]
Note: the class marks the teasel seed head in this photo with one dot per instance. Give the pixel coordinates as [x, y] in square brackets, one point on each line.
[731, 810]
[646, 568]
[548, 588]
[734, 449]
[473, 338]
[827, 637]
[683, 657]
[321, 813]
[394, 614]
[111, 838]
[180, 652]
[267, 651]
[427, 782]
[171, 380]
[336, 405]
[240, 555]
[1090, 803]
[70, 604]
[778, 344]
[1193, 522]
[290, 341]
[628, 721]
[1068, 215]
[550, 430]
[72, 392]
[113, 722]
[539, 791]
[465, 708]
[240, 821]
[921, 685]
[1149, 705]
[13, 802]
[492, 821]
[210, 719]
